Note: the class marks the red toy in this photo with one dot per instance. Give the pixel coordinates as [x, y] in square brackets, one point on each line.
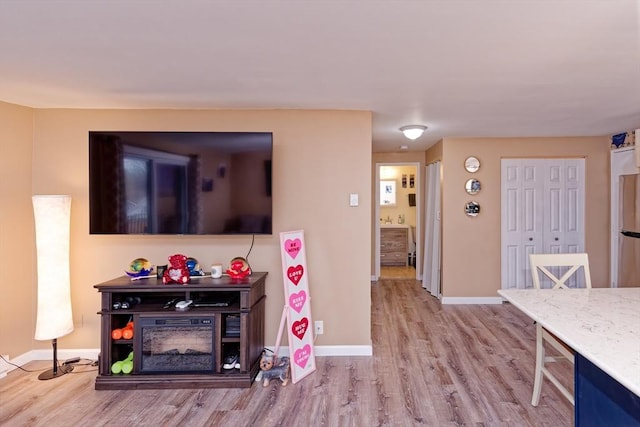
[177, 271]
[238, 268]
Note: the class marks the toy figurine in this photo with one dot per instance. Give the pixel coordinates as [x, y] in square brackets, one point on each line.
[238, 268]
[194, 267]
[177, 271]
[271, 367]
[139, 267]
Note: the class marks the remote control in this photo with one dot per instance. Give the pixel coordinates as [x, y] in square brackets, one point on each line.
[181, 305]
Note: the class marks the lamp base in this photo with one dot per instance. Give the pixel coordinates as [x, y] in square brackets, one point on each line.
[55, 373]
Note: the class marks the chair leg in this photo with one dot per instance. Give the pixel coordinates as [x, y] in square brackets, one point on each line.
[537, 382]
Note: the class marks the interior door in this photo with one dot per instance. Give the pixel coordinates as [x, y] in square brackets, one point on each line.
[522, 224]
[542, 212]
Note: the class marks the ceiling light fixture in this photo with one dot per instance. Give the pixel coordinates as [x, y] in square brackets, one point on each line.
[413, 131]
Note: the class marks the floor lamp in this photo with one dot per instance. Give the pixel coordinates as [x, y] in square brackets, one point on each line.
[54, 317]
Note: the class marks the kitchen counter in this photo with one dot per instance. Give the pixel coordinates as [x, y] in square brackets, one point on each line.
[602, 324]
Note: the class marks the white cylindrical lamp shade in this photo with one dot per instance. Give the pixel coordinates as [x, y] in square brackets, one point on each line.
[52, 221]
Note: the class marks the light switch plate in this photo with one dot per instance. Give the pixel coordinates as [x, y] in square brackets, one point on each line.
[353, 199]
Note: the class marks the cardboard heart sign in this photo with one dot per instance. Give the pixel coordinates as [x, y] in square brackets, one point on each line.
[294, 273]
[293, 247]
[300, 327]
[297, 300]
[301, 356]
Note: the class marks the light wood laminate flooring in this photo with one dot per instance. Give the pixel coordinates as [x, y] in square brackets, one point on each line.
[408, 272]
[432, 365]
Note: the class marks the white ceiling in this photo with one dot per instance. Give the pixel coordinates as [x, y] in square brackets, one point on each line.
[461, 67]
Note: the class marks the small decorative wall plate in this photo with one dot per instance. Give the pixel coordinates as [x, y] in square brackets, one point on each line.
[472, 186]
[472, 208]
[472, 164]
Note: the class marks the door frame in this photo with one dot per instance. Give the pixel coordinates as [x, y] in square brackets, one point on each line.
[419, 219]
[623, 162]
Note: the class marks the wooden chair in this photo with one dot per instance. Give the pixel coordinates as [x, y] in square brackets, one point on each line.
[541, 263]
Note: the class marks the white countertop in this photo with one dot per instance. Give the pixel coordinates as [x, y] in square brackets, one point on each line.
[602, 324]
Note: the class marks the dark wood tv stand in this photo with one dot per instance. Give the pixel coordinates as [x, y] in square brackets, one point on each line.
[245, 299]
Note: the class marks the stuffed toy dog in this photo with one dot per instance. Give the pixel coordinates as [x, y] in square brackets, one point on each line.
[271, 367]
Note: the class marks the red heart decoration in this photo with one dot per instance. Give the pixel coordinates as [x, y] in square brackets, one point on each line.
[295, 274]
[300, 327]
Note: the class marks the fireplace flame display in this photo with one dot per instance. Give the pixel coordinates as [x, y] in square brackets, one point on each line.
[177, 345]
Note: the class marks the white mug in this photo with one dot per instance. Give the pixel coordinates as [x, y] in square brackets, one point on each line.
[216, 271]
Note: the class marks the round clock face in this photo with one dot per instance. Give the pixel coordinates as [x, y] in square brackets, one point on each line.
[472, 164]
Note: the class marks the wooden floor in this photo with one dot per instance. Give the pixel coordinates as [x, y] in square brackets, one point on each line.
[433, 365]
[397, 272]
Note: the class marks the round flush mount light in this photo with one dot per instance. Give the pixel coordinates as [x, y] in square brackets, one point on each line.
[413, 131]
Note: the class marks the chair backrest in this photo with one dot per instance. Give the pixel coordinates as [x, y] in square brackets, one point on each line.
[573, 261]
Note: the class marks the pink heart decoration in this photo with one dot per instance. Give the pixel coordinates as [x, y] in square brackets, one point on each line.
[297, 300]
[292, 247]
[300, 327]
[301, 356]
[295, 274]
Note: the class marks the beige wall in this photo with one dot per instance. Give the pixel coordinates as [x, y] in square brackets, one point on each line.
[17, 245]
[471, 246]
[309, 182]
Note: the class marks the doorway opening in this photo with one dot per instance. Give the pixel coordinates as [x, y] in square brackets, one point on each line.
[398, 220]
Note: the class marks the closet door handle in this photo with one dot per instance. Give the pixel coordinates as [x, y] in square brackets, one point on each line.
[531, 239]
[556, 239]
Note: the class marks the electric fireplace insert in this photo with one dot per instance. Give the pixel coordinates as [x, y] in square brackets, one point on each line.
[175, 344]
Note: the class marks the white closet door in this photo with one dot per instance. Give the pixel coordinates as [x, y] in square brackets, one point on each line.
[522, 219]
[564, 202]
[542, 212]
[431, 266]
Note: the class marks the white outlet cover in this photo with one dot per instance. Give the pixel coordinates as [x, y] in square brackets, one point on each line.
[353, 199]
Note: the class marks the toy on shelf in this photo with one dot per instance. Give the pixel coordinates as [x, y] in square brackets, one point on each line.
[177, 271]
[139, 268]
[272, 367]
[123, 366]
[238, 268]
[194, 267]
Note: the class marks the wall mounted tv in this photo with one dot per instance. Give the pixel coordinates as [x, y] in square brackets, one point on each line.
[209, 183]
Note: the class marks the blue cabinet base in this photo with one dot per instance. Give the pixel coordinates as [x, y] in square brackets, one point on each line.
[601, 400]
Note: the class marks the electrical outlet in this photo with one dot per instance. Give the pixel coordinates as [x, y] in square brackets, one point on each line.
[319, 327]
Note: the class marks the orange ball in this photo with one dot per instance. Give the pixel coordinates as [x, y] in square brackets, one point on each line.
[116, 334]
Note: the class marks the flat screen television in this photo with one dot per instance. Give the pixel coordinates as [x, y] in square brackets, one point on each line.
[196, 183]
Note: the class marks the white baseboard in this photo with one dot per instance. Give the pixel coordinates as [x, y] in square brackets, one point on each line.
[92, 354]
[374, 278]
[333, 350]
[472, 300]
[47, 354]
[4, 366]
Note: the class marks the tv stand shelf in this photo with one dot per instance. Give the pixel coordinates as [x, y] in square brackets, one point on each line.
[182, 348]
